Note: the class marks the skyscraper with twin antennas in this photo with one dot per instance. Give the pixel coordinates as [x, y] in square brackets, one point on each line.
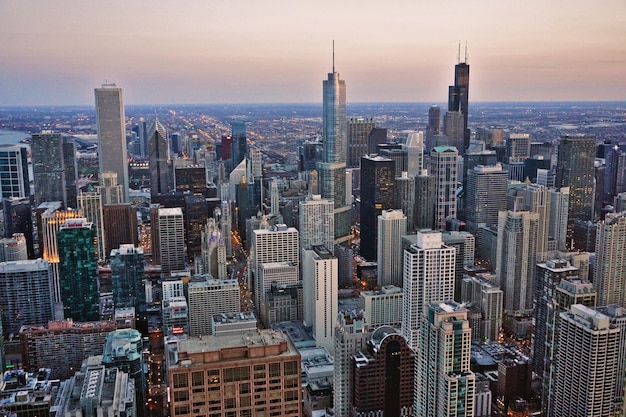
[458, 94]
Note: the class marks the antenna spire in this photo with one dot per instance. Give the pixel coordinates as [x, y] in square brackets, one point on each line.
[458, 54]
[466, 56]
[333, 55]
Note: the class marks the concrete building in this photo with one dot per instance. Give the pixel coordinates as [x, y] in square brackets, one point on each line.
[283, 303]
[383, 376]
[391, 227]
[90, 204]
[429, 272]
[39, 344]
[233, 323]
[110, 123]
[171, 239]
[351, 336]
[485, 196]
[54, 168]
[316, 222]
[207, 298]
[272, 244]
[358, 131]
[444, 384]
[175, 316]
[516, 257]
[482, 291]
[610, 266]
[586, 368]
[13, 248]
[25, 294]
[256, 373]
[96, 391]
[382, 307]
[404, 199]
[443, 162]
[320, 291]
[109, 188]
[14, 171]
[120, 226]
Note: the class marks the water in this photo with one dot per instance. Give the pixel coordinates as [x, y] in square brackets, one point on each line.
[12, 137]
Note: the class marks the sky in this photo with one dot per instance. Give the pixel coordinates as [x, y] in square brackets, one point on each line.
[279, 51]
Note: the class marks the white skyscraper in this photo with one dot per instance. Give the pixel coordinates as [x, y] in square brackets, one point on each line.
[516, 257]
[444, 384]
[210, 297]
[320, 283]
[610, 267]
[316, 222]
[275, 197]
[277, 244]
[586, 368]
[171, 230]
[391, 227]
[443, 163]
[110, 121]
[14, 170]
[91, 205]
[382, 307]
[352, 333]
[415, 153]
[428, 276]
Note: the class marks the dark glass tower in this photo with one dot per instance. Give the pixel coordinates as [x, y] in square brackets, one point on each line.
[78, 270]
[54, 168]
[128, 278]
[161, 176]
[18, 218]
[458, 95]
[377, 181]
[239, 143]
[575, 169]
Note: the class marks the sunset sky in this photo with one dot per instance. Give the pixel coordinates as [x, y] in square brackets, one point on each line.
[264, 51]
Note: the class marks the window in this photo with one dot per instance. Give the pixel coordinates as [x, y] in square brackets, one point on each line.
[241, 373]
[291, 368]
[180, 380]
[275, 369]
[197, 378]
[180, 396]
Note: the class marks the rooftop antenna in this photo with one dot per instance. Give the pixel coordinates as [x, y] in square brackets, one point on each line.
[466, 56]
[333, 55]
[458, 54]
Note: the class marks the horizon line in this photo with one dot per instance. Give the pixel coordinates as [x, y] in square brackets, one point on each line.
[2, 107]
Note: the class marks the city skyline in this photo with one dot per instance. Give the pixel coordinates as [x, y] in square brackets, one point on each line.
[272, 52]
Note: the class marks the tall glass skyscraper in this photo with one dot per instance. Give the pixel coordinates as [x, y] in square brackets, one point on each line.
[332, 168]
[78, 270]
[110, 121]
[161, 173]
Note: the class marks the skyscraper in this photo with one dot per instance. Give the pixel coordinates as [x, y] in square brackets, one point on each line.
[171, 238]
[208, 297]
[275, 244]
[90, 203]
[383, 376]
[443, 162]
[434, 121]
[391, 227]
[161, 171]
[316, 222]
[18, 218]
[586, 369]
[25, 294]
[320, 289]
[120, 226]
[518, 147]
[516, 257]
[110, 191]
[404, 199]
[485, 196]
[444, 384]
[575, 169]
[454, 129]
[458, 95]
[14, 171]
[415, 153]
[352, 333]
[428, 276]
[378, 176]
[424, 201]
[78, 270]
[111, 128]
[358, 132]
[610, 266]
[128, 278]
[239, 142]
[331, 169]
[54, 168]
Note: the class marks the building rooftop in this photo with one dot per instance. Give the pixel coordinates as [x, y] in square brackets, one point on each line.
[298, 333]
[240, 317]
